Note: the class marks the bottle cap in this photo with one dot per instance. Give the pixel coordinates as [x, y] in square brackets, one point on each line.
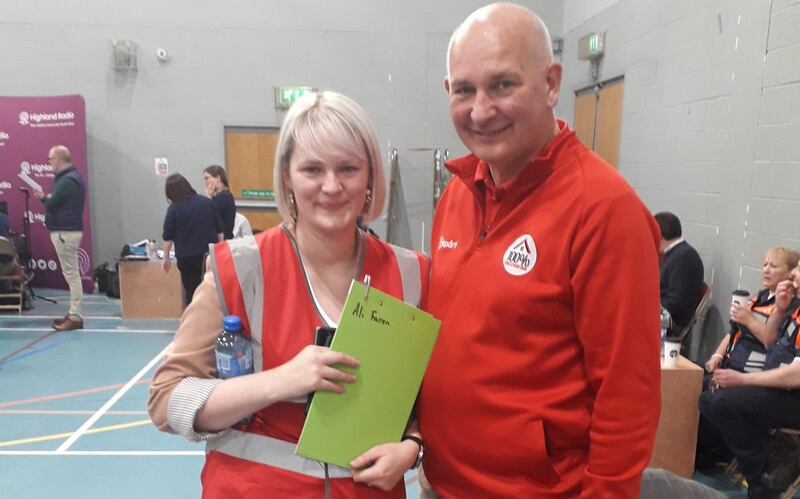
[232, 323]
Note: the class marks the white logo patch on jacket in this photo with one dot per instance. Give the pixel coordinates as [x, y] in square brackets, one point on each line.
[447, 244]
[520, 257]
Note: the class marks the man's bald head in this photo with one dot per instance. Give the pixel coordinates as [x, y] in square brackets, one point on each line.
[503, 85]
[59, 158]
[507, 20]
[61, 153]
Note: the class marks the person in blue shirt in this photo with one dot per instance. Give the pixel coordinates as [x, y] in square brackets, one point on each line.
[191, 224]
[216, 183]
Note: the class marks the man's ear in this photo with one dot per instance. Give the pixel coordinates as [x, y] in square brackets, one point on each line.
[554, 73]
[447, 85]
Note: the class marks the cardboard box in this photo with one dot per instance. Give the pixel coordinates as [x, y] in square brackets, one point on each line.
[148, 292]
[676, 437]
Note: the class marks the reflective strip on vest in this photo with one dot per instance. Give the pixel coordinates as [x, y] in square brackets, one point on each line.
[271, 452]
[250, 275]
[408, 264]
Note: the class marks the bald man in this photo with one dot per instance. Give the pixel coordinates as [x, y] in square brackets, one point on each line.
[545, 378]
[64, 220]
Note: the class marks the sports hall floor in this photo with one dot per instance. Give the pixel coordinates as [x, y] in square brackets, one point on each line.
[72, 409]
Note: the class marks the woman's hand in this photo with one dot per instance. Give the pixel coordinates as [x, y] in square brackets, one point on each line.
[311, 370]
[713, 363]
[741, 314]
[727, 377]
[384, 465]
[784, 294]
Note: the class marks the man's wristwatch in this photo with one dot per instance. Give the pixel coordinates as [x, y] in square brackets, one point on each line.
[420, 454]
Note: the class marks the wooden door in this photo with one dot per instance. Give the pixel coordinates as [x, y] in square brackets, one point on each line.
[249, 158]
[585, 114]
[598, 118]
[609, 122]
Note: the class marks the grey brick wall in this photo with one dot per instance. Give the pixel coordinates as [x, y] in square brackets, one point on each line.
[226, 57]
[711, 121]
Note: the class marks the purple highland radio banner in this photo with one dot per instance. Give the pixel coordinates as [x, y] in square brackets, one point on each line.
[29, 127]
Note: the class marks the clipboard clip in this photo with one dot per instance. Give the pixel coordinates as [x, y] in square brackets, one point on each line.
[367, 280]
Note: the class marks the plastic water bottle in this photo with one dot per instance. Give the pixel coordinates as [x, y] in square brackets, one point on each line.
[233, 351]
[665, 323]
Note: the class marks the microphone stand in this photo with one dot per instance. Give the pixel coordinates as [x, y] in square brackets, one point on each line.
[27, 256]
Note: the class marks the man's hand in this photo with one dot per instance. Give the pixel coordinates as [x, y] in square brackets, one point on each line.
[727, 377]
[39, 195]
[166, 263]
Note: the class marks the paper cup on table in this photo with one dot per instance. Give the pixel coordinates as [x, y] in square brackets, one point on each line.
[672, 350]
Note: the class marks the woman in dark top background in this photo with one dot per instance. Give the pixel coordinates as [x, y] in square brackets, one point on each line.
[192, 223]
[217, 188]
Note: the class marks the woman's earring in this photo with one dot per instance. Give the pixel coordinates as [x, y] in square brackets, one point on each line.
[368, 200]
[292, 206]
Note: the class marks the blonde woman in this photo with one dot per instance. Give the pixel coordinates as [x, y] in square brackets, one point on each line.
[284, 283]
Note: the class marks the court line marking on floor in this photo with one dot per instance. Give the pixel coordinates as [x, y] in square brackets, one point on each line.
[85, 330]
[28, 345]
[113, 400]
[55, 396]
[102, 453]
[59, 436]
[85, 297]
[69, 412]
[19, 356]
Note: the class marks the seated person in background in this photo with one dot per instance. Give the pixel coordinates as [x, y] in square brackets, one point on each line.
[746, 406]
[681, 272]
[4, 230]
[745, 348]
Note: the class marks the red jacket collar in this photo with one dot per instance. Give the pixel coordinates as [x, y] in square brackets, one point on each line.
[538, 169]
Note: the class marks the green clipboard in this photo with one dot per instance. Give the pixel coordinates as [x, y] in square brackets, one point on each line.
[393, 342]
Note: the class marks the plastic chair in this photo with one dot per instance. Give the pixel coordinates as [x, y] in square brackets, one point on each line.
[699, 312]
[12, 278]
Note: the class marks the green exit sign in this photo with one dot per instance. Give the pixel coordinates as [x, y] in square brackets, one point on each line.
[286, 96]
[266, 194]
[591, 46]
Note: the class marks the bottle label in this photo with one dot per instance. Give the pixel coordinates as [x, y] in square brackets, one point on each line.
[227, 365]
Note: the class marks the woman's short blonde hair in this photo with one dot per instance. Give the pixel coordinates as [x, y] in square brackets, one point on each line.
[318, 121]
[789, 256]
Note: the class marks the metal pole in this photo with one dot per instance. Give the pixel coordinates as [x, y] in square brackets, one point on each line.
[393, 173]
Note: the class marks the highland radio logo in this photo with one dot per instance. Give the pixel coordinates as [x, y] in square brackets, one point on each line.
[47, 120]
[84, 265]
[36, 169]
[520, 257]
